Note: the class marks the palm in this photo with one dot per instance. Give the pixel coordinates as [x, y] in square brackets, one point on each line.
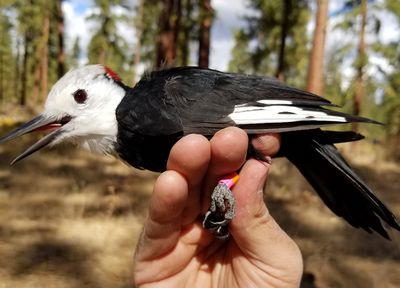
[174, 249]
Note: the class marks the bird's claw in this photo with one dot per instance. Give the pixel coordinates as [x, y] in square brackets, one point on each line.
[221, 211]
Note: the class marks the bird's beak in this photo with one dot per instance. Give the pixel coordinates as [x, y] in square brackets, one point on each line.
[39, 123]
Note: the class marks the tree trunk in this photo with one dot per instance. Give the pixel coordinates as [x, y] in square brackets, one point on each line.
[17, 78]
[41, 59]
[36, 77]
[44, 59]
[1, 71]
[287, 10]
[315, 83]
[24, 72]
[360, 64]
[169, 31]
[206, 16]
[60, 36]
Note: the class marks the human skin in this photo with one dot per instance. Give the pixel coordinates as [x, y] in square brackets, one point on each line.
[175, 251]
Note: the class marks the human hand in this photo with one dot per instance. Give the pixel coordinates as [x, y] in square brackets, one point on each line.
[175, 251]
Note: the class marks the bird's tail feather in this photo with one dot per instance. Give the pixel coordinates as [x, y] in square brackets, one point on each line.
[342, 190]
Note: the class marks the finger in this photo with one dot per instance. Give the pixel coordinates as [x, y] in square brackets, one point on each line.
[267, 144]
[249, 189]
[190, 157]
[255, 231]
[163, 224]
[249, 194]
[187, 163]
[228, 153]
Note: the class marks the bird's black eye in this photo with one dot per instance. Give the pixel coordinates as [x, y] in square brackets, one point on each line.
[80, 96]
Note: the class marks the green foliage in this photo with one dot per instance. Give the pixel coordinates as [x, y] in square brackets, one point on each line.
[394, 7]
[345, 55]
[258, 44]
[7, 59]
[390, 106]
[150, 25]
[187, 36]
[256, 49]
[107, 47]
[73, 55]
[241, 59]
[334, 79]
[392, 91]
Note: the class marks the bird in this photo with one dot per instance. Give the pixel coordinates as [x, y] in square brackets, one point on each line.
[91, 107]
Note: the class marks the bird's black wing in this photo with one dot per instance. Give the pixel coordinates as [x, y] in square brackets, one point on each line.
[168, 104]
[195, 100]
[338, 185]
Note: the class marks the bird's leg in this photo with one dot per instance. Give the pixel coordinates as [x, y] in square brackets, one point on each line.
[222, 208]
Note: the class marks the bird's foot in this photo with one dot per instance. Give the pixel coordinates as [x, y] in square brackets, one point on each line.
[222, 208]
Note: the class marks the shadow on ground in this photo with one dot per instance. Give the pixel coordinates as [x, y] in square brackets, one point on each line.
[335, 254]
[72, 219]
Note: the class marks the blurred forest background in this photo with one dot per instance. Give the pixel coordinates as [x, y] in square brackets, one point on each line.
[74, 222]
[358, 70]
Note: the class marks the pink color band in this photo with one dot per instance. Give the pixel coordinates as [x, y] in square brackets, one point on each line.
[229, 180]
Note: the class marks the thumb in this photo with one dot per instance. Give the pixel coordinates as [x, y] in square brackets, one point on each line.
[254, 230]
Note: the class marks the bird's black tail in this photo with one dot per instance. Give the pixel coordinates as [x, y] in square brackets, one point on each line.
[342, 190]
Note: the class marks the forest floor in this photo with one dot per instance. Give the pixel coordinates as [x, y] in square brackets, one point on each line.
[72, 219]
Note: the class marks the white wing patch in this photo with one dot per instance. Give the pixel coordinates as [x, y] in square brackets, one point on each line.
[279, 114]
[275, 102]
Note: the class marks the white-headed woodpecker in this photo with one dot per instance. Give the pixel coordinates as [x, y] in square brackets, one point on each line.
[91, 107]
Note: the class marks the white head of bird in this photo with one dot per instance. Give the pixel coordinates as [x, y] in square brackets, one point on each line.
[79, 108]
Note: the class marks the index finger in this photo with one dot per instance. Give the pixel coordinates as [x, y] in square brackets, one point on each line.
[176, 192]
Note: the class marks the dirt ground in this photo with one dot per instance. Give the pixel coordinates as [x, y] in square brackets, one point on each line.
[71, 219]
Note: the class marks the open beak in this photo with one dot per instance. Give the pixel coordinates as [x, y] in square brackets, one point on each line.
[39, 123]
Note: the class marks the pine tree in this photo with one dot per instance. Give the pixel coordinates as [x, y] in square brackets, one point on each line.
[60, 37]
[360, 64]
[363, 87]
[150, 25]
[241, 61]
[315, 81]
[139, 27]
[42, 25]
[106, 46]
[74, 54]
[7, 59]
[391, 101]
[284, 33]
[30, 22]
[167, 40]
[275, 40]
[176, 25]
[206, 17]
[39, 48]
[188, 30]
[57, 59]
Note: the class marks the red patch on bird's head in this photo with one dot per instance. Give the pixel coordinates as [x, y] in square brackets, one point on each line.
[111, 74]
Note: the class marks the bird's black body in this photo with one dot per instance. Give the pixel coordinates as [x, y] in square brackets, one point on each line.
[91, 107]
[168, 104]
